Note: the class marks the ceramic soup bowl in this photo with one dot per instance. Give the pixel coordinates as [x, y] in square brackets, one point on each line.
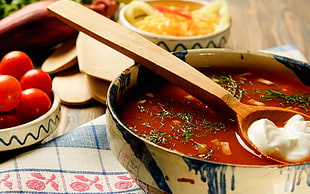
[161, 170]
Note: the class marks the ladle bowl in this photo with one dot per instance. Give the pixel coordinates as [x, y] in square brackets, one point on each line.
[276, 115]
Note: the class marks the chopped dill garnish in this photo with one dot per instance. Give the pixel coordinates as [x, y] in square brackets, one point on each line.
[162, 113]
[187, 137]
[227, 82]
[156, 136]
[142, 108]
[206, 156]
[301, 100]
[213, 127]
[186, 117]
[147, 125]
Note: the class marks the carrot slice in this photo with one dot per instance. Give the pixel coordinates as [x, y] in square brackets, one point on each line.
[177, 11]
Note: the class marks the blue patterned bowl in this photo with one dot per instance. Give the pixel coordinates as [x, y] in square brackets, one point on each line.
[32, 132]
[161, 170]
[214, 40]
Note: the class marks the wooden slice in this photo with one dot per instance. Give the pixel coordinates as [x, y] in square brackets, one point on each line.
[62, 58]
[72, 87]
[99, 88]
[98, 60]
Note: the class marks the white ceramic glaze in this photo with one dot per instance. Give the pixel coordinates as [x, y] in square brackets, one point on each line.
[164, 170]
[32, 132]
[214, 40]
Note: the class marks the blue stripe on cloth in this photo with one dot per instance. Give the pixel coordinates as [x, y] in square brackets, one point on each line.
[64, 171]
[91, 136]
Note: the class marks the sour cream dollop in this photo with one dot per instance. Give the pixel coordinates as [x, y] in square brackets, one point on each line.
[290, 143]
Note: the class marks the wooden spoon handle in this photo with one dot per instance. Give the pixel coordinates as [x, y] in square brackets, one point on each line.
[144, 52]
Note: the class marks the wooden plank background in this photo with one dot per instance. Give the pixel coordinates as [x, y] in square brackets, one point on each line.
[261, 24]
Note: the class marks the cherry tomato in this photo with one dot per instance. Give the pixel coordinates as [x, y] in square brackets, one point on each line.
[10, 92]
[15, 63]
[34, 103]
[36, 78]
[7, 121]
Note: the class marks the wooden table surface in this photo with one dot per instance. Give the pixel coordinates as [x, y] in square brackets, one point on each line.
[263, 24]
[256, 25]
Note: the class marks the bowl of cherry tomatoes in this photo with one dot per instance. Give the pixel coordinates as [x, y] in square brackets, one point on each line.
[29, 109]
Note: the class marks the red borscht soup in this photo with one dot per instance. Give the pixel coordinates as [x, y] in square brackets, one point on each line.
[168, 116]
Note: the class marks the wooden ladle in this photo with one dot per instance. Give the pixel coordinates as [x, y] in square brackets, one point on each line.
[168, 66]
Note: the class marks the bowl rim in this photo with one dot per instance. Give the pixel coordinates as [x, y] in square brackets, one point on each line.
[115, 116]
[55, 105]
[123, 20]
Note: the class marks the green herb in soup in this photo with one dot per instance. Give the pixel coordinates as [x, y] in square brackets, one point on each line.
[168, 116]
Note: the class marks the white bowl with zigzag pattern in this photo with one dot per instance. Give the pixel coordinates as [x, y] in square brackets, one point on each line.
[216, 39]
[32, 132]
